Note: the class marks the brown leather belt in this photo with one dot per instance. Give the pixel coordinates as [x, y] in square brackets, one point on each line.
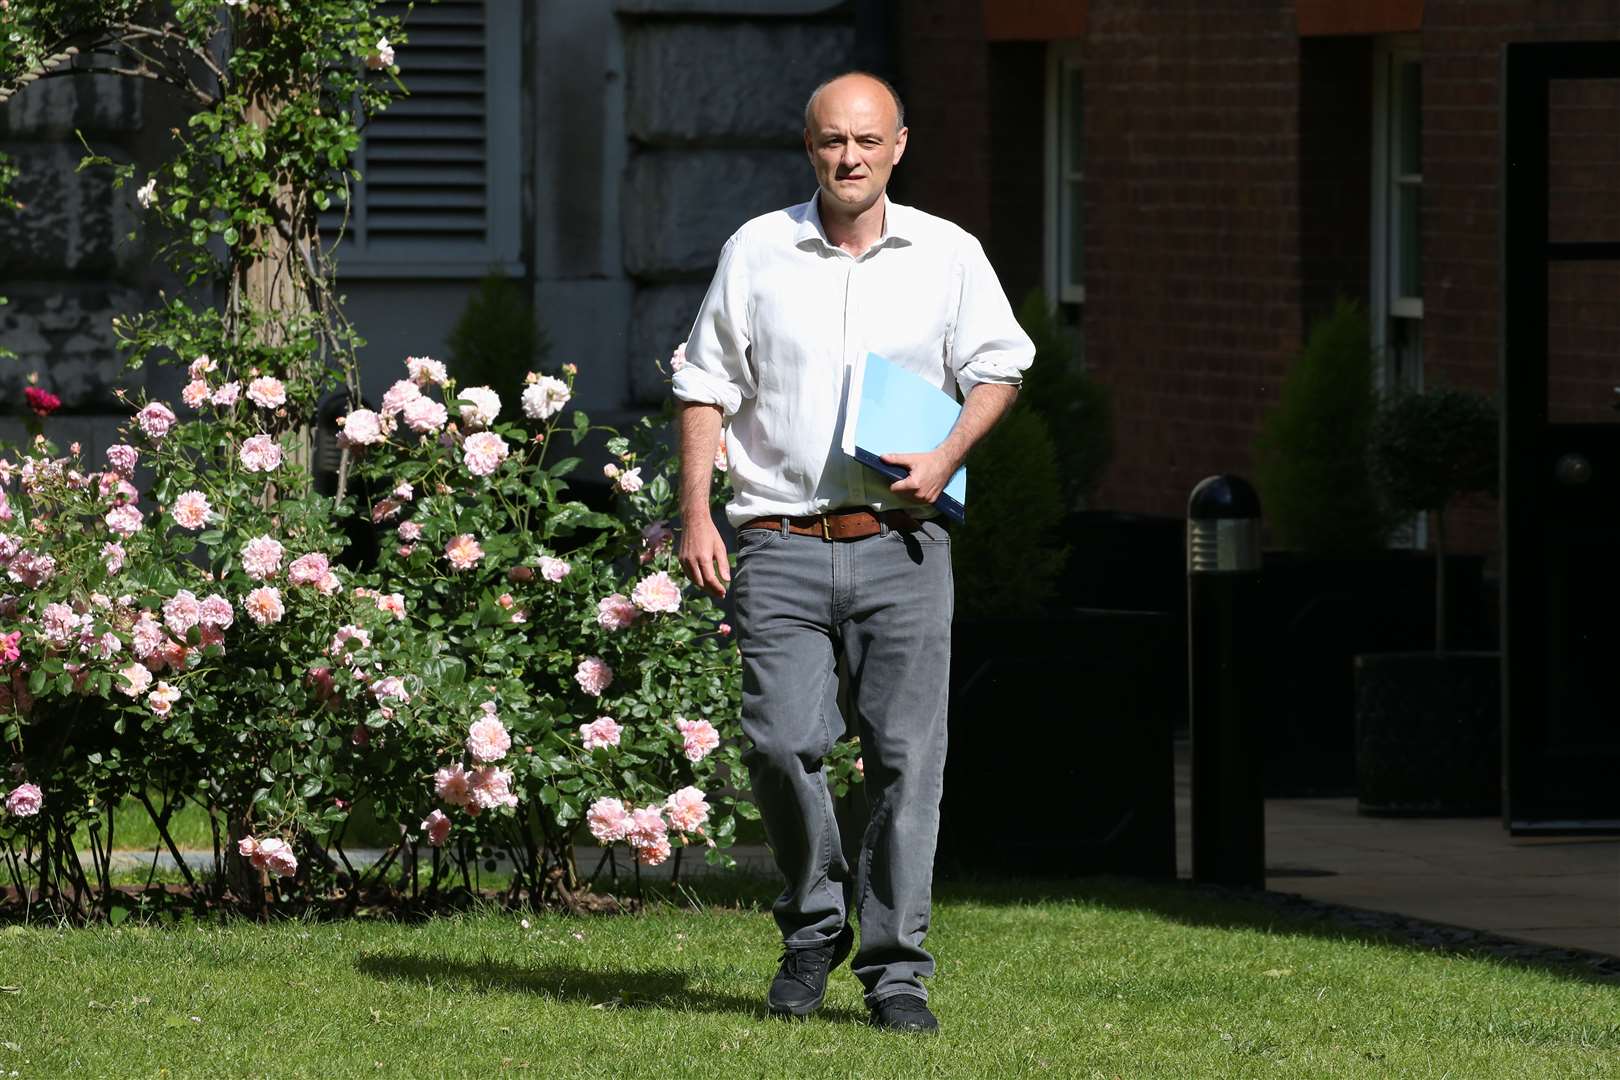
[855, 523]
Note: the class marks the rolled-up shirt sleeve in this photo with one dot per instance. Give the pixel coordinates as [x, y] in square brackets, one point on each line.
[987, 344]
[717, 369]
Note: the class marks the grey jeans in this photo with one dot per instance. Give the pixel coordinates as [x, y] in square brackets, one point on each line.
[881, 607]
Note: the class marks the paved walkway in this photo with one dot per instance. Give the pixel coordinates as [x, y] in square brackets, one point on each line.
[1561, 891]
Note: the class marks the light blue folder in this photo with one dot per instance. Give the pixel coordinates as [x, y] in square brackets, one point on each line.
[890, 410]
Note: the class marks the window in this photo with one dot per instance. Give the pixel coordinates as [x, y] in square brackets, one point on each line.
[440, 167]
[1066, 174]
[1397, 208]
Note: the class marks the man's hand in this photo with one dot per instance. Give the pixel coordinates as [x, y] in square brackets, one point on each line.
[929, 473]
[703, 555]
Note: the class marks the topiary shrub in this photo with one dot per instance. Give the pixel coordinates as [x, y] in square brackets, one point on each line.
[1006, 555]
[497, 340]
[1428, 449]
[1075, 407]
[1311, 453]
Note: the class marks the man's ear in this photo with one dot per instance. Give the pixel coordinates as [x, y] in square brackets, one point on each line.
[899, 145]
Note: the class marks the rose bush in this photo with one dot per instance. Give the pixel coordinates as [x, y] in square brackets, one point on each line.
[184, 622]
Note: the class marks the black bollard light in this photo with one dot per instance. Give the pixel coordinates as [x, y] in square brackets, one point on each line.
[1223, 673]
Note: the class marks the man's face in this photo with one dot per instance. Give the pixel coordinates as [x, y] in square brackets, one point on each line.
[853, 143]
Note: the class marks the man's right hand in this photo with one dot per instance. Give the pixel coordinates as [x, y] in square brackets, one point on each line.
[703, 555]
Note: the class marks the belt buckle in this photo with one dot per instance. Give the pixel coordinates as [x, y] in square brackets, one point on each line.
[826, 528]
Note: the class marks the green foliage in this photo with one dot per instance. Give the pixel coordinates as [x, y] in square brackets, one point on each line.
[1430, 448]
[1311, 453]
[1076, 407]
[1008, 557]
[496, 341]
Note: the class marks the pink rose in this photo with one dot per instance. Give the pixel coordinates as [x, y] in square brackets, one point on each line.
[437, 827]
[181, 612]
[190, 510]
[264, 606]
[628, 480]
[425, 416]
[122, 457]
[347, 634]
[608, 820]
[424, 370]
[155, 420]
[687, 810]
[361, 428]
[545, 397]
[593, 675]
[138, 677]
[484, 452]
[452, 785]
[112, 556]
[382, 57]
[658, 592]
[699, 738]
[479, 406]
[124, 520]
[616, 612]
[194, 393]
[553, 570]
[200, 366]
[655, 853]
[216, 612]
[603, 731]
[162, 698]
[261, 557]
[487, 740]
[227, 394]
[647, 827]
[260, 453]
[25, 800]
[267, 392]
[410, 531]
[491, 788]
[308, 569]
[463, 552]
[401, 394]
[276, 856]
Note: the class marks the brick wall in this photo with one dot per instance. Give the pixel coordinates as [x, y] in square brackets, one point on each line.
[943, 75]
[1193, 281]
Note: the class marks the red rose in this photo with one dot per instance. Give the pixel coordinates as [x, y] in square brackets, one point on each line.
[43, 402]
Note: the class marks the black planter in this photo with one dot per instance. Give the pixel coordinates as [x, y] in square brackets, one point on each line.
[1429, 734]
[1060, 757]
[1320, 614]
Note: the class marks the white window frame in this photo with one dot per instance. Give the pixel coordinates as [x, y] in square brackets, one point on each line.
[501, 250]
[1389, 188]
[1063, 59]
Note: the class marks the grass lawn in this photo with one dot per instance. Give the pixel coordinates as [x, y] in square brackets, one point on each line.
[1099, 978]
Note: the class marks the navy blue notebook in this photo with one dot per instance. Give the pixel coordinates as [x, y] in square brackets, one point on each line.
[890, 410]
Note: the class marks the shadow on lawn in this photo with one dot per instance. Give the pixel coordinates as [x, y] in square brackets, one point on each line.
[664, 988]
[1287, 914]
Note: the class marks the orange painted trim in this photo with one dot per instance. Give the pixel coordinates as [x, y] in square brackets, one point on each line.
[1322, 17]
[1034, 20]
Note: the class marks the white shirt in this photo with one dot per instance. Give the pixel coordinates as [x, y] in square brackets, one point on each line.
[787, 314]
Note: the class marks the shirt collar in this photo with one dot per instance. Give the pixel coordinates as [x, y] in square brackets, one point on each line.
[896, 224]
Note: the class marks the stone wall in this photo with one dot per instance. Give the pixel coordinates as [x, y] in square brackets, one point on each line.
[714, 107]
[67, 259]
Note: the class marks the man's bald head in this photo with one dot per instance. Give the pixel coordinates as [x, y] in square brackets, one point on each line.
[856, 82]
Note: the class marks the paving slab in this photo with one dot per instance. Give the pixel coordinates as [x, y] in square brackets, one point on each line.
[1467, 872]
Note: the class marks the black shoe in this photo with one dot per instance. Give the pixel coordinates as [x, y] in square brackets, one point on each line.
[904, 1012]
[801, 981]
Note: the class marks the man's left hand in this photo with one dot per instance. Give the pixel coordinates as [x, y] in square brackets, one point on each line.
[929, 473]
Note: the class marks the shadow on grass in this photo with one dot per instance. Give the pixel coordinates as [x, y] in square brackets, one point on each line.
[661, 988]
[1286, 914]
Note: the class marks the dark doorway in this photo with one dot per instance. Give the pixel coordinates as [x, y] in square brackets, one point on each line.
[1561, 437]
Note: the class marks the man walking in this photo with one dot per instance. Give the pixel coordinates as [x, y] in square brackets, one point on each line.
[836, 564]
